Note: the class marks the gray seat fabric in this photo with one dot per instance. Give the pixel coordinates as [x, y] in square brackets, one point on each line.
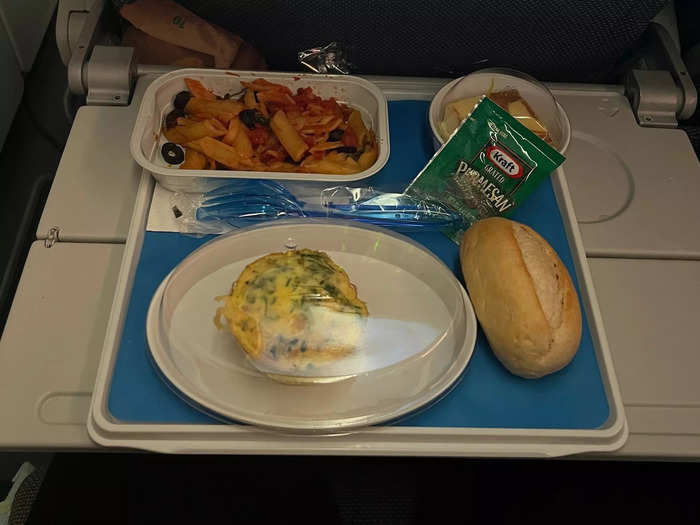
[25, 497]
[557, 40]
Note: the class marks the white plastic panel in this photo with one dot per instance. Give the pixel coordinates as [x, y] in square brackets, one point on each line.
[651, 310]
[92, 196]
[51, 345]
[634, 188]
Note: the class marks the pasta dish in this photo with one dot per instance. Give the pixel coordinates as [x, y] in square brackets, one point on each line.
[266, 127]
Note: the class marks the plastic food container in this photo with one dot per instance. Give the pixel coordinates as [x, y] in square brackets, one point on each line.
[157, 102]
[536, 94]
[415, 341]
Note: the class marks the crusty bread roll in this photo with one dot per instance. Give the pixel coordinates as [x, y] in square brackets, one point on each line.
[523, 296]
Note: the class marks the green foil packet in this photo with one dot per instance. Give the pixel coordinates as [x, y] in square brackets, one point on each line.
[489, 166]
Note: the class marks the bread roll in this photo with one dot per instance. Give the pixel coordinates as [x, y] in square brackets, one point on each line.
[523, 296]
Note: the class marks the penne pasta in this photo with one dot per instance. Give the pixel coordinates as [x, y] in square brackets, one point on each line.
[324, 146]
[234, 127]
[261, 84]
[270, 128]
[191, 131]
[194, 160]
[283, 166]
[288, 136]
[334, 163]
[368, 157]
[249, 99]
[198, 90]
[195, 145]
[242, 144]
[222, 110]
[358, 126]
[217, 150]
[273, 96]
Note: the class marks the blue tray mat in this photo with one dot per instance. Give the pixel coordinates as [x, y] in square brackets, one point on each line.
[486, 396]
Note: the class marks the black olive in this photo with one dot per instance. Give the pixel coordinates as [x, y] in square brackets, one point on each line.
[260, 119]
[336, 135]
[181, 100]
[247, 116]
[171, 118]
[347, 149]
[172, 153]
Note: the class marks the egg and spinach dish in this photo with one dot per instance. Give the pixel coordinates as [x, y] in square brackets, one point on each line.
[294, 311]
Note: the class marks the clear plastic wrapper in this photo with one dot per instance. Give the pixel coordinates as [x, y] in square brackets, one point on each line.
[307, 303]
[244, 203]
[237, 204]
[392, 210]
[331, 58]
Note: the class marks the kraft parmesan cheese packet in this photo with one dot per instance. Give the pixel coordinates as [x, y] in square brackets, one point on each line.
[490, 164]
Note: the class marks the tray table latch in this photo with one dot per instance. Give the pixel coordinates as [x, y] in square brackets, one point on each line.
[52, 237]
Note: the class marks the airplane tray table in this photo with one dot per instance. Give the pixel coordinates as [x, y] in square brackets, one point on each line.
[489, 412]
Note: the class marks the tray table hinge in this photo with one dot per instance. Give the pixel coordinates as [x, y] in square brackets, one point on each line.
[52, 237]
[110, 75]
[104, 73]
[659, 87]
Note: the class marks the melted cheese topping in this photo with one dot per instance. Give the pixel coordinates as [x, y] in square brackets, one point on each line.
[293, 311]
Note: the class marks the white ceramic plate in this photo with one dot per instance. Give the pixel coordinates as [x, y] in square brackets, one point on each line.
[421, 327]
